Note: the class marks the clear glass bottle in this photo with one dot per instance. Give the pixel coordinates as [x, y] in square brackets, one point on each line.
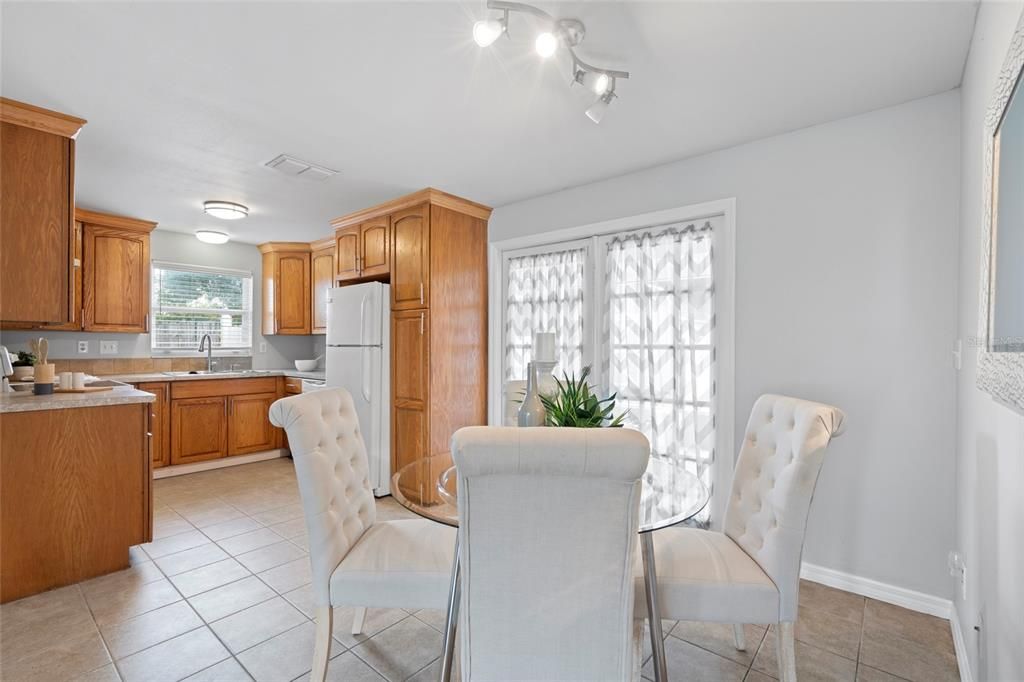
[531, 411]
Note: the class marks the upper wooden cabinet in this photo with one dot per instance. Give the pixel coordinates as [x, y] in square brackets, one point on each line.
[322, 268]
[410, 275]
[37, 198]
[363, 251]
[116, 272]
[374, 247]
[287, 294]
[346, 253]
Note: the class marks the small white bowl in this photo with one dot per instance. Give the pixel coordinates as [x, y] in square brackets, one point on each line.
[305, 365]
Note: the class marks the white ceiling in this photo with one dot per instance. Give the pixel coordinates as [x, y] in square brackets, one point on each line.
[186, 101]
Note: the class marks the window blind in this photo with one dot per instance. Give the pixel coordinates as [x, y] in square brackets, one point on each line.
[190, 301]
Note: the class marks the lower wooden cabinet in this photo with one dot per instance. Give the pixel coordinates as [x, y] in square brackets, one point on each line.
[159, 422]
[214, 418]
[199, 429]
[249, 427]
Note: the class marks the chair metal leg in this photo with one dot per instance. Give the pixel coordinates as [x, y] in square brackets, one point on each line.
[322, 644]
[653, 610]
[357, 620]
[785, 651]
[452, 617]
[739, 636]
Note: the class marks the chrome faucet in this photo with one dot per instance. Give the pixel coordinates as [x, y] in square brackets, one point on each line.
[205, 341]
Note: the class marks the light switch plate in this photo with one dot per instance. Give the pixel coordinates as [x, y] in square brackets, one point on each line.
[83, 346]
[263, 346]
[108, 347]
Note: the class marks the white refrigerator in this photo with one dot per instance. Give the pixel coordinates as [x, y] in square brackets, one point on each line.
[358, 360]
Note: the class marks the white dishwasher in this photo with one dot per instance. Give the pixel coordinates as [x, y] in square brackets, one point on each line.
[313, 385]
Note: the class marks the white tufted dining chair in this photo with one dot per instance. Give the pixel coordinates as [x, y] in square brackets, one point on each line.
[548, 522]
[750, 573]
[356, 560]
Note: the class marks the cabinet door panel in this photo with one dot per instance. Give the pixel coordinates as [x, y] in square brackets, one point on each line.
[323, 280]
[36, 195]
[374, 241]
[249, 427]
[116, 281]
[346, 253]
[160, 421]
[293, 309]
[198, 429]
[410, 369]
[410, 262]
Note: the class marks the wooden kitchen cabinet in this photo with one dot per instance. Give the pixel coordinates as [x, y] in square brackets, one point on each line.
[199, 429]
[287, 289]
[214, 418]
[375, 247]
[116, 273]
[410, 266]
[410, 360]
[363, 251]
[249, 427]
[346, 253]
[37, 190]
[75, 495]
[160, 421]
[438, 278]
[322, 269]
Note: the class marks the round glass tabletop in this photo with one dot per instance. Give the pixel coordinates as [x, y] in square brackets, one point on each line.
[671, 494]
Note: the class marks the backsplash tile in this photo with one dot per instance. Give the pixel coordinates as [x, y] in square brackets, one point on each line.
[147, 365]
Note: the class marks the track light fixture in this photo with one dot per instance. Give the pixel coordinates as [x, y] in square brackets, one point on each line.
[558, 33]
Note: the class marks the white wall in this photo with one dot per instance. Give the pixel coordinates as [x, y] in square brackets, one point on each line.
[990, 444]
[846, 262]
[181, 248]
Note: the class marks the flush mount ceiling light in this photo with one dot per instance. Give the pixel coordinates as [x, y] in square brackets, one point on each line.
[558, 33]
[211, 236]
[225, 210]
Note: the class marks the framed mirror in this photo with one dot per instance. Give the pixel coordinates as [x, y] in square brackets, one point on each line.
[1001, 318]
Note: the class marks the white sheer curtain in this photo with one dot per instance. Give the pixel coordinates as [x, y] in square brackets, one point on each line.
[545, 294]
[658, 353]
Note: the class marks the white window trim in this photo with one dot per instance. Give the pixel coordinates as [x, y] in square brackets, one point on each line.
[217, 353]
[725, 314]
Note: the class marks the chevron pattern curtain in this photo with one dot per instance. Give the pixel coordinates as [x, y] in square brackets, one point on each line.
[545, 294]
[658, 351]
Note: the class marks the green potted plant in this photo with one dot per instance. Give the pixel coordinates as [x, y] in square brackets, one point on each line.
[23, 365]
[574, 404]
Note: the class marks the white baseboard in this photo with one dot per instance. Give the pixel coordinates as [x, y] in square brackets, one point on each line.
[960, 646]
[182, 469]
[900, 596]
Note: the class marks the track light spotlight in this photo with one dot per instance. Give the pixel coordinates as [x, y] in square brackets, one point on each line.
[486, 31]
[596, 111]
[597, 81]
[546, 44]
[565, 33]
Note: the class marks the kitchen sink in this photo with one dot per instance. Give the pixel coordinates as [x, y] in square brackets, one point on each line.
[203, 372]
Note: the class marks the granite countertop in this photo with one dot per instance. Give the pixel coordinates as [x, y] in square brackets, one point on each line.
[26, 401]
[241, 374]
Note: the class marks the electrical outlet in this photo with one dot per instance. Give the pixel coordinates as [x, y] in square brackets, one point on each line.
[83, 346]
[263, 346]
[958, 569]
[108, 347]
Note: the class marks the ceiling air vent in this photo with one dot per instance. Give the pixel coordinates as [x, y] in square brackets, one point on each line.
[289, 165]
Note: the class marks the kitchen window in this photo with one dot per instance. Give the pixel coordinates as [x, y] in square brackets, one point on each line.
[190, 301]
[647, 303]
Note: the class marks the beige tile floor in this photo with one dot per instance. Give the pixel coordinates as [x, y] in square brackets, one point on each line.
[222, 593]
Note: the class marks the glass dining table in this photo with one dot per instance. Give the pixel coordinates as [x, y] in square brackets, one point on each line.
[670, 494]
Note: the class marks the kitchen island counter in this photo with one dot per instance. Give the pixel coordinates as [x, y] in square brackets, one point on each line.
[26, 401]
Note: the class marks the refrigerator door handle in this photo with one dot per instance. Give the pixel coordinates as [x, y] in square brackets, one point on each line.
[362, 321]
[364, 375]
